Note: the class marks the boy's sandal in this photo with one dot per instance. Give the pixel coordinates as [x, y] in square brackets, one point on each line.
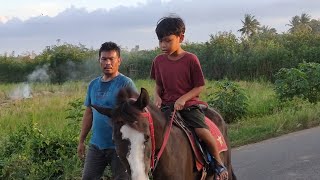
[220, 168]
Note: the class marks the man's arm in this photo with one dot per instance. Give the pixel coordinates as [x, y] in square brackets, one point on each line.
[179, 104]
[86, 127]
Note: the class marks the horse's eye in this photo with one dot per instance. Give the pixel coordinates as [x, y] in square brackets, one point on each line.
[146, 138]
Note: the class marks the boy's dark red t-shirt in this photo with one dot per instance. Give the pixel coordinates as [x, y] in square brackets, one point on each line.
[177, 78]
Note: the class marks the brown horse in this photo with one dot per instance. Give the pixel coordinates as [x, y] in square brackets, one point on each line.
[131, 135]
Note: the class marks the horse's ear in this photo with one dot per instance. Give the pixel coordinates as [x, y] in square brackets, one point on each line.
[143, 99]
[102, 110]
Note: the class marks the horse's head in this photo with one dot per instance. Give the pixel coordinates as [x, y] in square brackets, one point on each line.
[131, 132]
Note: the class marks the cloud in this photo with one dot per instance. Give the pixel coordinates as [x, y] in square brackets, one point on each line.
[130, 26]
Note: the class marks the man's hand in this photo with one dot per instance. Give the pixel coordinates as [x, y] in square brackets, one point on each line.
[81, 150]
[179, 104]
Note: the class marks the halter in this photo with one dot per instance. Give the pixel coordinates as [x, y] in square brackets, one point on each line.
[155, 159]
[151, 128]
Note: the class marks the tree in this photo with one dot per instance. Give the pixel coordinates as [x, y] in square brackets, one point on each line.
[300, 23]
[267, 30]
[250, 26]
[315, 25]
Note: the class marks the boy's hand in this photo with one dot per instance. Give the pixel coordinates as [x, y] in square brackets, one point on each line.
[157, 101]
[179, 104]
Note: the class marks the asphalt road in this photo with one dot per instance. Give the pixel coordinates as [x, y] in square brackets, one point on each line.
[295, 156]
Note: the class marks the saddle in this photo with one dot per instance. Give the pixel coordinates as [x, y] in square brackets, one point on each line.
[203, 160]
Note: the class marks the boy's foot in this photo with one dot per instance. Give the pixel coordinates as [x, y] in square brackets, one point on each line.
[222, 173]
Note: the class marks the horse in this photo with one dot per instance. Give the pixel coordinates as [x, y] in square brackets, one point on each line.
[132, 139]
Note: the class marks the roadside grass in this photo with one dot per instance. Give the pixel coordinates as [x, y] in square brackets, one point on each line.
[293, 117]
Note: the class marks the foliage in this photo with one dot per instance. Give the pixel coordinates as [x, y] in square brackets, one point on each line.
[250, 26]
[65, 62]
[303, 82]
[258, 54]
[230, 100]
[75, 113]
[137, 64]
[29, 153]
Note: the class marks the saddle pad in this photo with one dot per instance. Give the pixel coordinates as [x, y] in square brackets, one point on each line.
[220, 141]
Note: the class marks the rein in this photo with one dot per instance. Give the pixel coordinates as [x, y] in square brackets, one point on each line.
[164, 143]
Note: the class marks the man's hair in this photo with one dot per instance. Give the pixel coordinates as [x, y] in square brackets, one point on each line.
[170, 25]
[109, 46]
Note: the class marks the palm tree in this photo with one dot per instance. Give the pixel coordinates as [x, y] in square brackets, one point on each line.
[294, 23]
[300, 23]
[315, 25]
[305, 19]
[250, 25]
[267, 30]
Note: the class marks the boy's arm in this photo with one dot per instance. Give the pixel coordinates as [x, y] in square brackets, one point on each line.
[179, 104]
[157, 99]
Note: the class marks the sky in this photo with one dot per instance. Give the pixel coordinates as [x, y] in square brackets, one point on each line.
[31, 25]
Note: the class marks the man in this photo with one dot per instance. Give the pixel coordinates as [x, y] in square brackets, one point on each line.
[102, 91]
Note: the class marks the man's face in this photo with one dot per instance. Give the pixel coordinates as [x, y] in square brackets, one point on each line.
[109, 62]
[170, 44]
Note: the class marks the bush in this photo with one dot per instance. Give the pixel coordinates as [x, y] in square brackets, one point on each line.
[290, 83]
[230, 100]
[28, 153]
[312, 71]
[302, 82]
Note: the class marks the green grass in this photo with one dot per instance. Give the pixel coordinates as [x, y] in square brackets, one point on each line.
[262, 98]
[48, 106]
[295, 117]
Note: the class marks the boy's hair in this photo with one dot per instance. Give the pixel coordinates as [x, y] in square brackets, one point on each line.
[170, 25]
[109, 46]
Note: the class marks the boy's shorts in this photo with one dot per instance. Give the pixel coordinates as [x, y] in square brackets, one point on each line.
[194, 117]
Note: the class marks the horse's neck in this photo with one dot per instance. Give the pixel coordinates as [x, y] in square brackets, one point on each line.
[159, 123]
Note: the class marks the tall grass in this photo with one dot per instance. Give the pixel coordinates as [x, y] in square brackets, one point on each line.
[47, 107]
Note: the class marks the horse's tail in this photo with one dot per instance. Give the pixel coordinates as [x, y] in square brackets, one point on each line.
[223, 126]
[234, 177]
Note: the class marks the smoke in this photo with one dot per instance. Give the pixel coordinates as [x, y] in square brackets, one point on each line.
[40, 74]
[21, 92]
[69, 71]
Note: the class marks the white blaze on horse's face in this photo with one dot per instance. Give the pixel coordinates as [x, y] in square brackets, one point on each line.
[135, 155]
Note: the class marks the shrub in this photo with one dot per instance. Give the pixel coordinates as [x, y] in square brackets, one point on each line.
[290, 83]
[28, 153]
[230, 100]
[302, 82]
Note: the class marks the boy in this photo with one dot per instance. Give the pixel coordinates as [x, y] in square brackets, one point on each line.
[179, 81]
